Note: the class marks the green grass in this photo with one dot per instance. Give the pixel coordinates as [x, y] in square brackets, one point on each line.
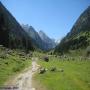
[76, 75]
[12, 65]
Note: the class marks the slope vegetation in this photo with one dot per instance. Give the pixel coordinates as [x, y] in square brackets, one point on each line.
[79, 36]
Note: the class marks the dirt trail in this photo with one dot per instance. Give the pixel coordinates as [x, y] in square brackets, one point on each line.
[24, 80]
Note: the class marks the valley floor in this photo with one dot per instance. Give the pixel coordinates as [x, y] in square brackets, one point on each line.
[69, 75]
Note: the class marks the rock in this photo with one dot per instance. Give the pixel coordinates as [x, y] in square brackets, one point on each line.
[61, 70]
[53, 69]
[46, 58]
[3, 56]
[42, 70]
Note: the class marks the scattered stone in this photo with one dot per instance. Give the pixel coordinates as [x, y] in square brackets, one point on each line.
[61, 70]
[42, 70]
[64, 56]
[3, 56]
[21, 54]
[53, 69]
[8, 51]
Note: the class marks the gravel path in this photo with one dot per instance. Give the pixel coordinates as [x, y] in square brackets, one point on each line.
[24, 80]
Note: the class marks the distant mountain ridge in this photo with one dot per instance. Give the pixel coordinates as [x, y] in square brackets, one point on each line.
[51, 42]
[40, 39]
[34, 36]
[79, 36]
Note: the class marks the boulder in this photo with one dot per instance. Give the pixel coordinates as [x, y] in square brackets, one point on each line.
[42, 70]
[53, 69]
[46, 58]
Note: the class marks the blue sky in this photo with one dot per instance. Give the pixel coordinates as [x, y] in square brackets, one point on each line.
[54, 17]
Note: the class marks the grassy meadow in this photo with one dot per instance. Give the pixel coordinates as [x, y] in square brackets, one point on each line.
[75, 75]
[12, 62]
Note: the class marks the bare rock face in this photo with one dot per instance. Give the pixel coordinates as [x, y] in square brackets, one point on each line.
[49, 43]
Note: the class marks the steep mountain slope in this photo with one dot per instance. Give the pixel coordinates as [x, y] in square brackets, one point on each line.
[37, 39]
[11, 33]
[34, 36]
[79, 36]
[50, 42]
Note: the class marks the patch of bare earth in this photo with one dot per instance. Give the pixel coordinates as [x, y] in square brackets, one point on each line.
[24, 80]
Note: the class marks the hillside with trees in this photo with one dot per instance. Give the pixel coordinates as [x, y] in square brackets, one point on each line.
[79, 36]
